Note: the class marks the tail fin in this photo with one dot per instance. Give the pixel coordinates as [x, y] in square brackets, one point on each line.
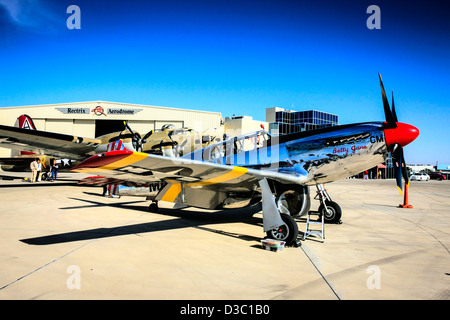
[115, 145]
[25, 122]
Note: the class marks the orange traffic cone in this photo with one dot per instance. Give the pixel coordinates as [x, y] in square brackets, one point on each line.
[405, 199]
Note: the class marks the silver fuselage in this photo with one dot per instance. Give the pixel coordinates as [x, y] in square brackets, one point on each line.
[317, 156]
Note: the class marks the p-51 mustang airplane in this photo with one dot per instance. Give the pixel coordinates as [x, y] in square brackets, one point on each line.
[242, 170]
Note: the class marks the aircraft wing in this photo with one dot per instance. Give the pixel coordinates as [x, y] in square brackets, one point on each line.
[179, 173]
[48, 143]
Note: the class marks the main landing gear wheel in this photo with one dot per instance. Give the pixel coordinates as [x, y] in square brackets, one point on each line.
[333, 213]
[287, 232]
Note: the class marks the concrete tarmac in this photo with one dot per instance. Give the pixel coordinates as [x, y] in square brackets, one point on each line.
[63, 241]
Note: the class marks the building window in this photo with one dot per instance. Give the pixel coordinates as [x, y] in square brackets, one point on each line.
[296, 121]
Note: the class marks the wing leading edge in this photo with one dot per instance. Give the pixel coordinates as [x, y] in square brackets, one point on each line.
[48, 143]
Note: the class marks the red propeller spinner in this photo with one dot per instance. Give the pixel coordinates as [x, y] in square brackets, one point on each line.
[403, 134]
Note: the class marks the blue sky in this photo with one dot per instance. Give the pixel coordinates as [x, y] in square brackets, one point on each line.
[236, 57]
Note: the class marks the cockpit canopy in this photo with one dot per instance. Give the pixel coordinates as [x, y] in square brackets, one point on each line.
[223, 151]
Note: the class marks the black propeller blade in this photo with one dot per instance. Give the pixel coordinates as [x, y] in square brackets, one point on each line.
[394, 114]
[404, 171]
[399, 166]
[390, 119]
[397, 158]
[136, 140]
[147, 135]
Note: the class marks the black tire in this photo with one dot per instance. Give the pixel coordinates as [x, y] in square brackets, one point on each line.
[334, 213]
[295, 198]
[153, 207]
[287, 232]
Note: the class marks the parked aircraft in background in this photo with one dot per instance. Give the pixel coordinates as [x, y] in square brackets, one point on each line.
[20, 160]
[241, 171]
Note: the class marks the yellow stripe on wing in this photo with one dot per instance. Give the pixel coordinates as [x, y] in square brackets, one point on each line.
[172, 193]
[233, 174]
[175, 189]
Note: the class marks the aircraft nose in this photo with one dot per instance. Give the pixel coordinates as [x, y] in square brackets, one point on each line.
[403, 134]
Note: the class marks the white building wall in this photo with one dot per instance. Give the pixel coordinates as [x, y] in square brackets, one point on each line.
[83, 128]
[64, 126]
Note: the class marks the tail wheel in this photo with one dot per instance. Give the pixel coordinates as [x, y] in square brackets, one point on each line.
[333, 213]
[153, 207]
[287, 232]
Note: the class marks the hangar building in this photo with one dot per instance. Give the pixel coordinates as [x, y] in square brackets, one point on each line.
[96, 118]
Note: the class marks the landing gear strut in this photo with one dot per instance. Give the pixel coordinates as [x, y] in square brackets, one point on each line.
[278, 226]
[331, 211]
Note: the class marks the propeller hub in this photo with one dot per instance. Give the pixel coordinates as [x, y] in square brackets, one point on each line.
[403, 134]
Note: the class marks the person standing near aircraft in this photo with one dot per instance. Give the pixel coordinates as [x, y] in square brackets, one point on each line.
[366, 175]
[34, 168]
[54, 169]
[39, 169]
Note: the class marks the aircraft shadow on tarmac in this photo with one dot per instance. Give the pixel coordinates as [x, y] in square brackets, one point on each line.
[19, 182]
[188, 218]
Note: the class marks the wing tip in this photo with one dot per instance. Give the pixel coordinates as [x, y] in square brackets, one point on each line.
[101, 160]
